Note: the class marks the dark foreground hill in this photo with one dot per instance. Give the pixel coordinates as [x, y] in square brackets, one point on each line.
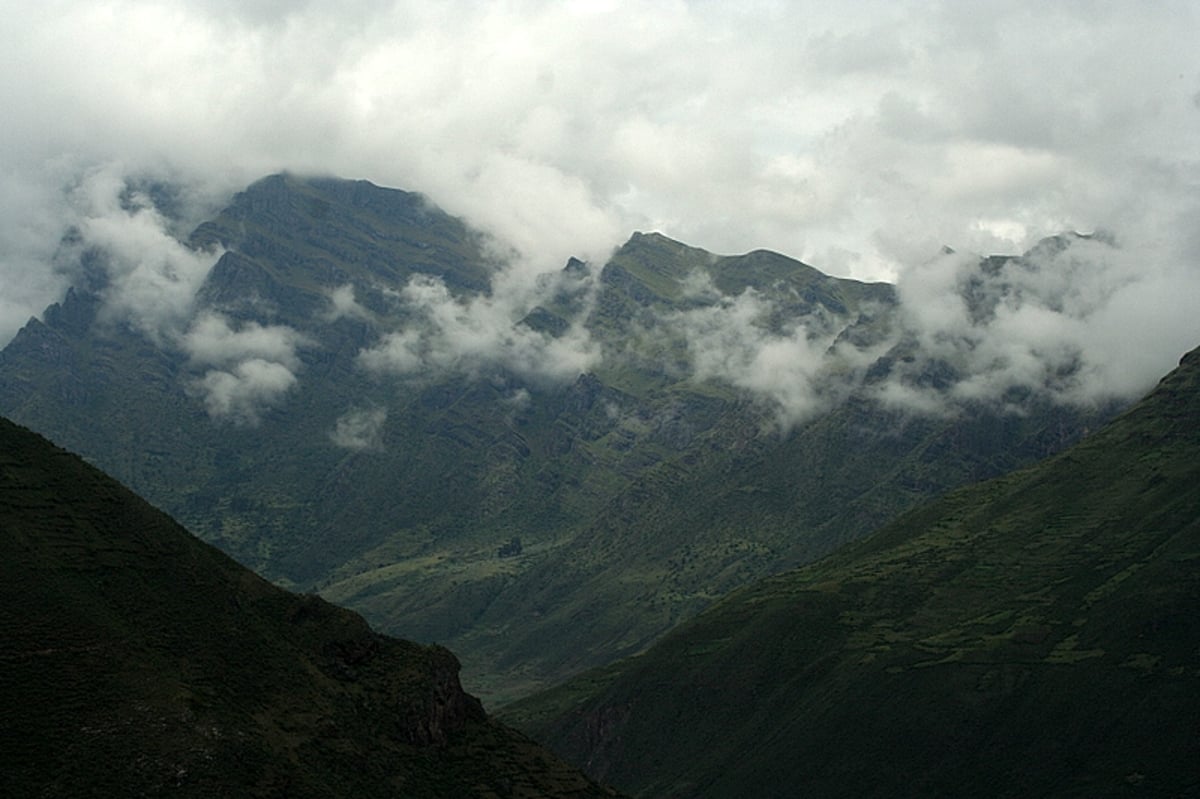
[136, 660]
[350, 409]
[1036, 635]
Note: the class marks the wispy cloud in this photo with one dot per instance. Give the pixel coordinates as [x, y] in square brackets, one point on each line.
[360, 429]
[731, 341]
[150, 279]
[1078, 320]
[448, 334]
[858, 138]
[247, 369]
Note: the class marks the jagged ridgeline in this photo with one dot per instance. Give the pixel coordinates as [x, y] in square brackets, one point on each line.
[1035, 635]
[357, 399]
[138, 660]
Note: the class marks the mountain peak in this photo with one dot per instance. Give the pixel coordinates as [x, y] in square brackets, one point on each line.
[332, 232]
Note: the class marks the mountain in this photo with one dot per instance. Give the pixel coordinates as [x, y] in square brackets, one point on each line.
[1034, 635]
[138, 660]
[360, 399]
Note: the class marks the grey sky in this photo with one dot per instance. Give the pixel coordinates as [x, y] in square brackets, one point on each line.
[857, 137]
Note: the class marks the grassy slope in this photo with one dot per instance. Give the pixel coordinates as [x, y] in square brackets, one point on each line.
[138, 660]
[1034, 635]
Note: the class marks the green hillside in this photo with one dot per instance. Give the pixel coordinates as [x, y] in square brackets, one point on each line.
[138, 661]
[536, 524]
[1035, 635]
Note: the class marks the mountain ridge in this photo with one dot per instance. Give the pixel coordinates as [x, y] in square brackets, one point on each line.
[356, 407]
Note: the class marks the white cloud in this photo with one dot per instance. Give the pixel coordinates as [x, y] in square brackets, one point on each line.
[730, 341]
[1079, 324]
[397, 353]
[242, 392]
[470, 336]
[342, 303]
[151, 278]
[255, 365]
[865, 131]
[360, 429]
[211, 340]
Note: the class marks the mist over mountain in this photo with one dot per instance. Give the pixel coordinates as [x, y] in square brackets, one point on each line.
[1033, 635]
[354, 392]
[857, 138]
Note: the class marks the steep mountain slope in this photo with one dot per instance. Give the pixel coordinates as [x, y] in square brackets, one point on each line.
[355, 405]
[138, 660]
[1034, 635]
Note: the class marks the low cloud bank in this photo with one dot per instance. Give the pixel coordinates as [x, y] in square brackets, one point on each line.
[1078, 320]
[360, 429]
[253, 367]
[731, 341]
[848, 136]
[471, 335]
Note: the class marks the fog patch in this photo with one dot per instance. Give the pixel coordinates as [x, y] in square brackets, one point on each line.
[252, 366]
[150, 278]
[731, 342]
[360, 430]
[469, 336]
[1077, 320]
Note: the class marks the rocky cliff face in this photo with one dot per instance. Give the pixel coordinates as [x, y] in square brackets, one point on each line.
[443, 709]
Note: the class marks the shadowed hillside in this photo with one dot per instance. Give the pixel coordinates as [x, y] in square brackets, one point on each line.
[137, 660]
[1035, 635]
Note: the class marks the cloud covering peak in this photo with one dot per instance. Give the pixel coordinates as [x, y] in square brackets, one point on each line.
[1077, 318]
[858, 138]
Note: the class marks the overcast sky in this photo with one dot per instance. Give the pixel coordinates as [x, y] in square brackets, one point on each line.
[857, 137]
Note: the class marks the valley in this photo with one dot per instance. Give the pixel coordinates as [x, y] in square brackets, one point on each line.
[701, 524]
